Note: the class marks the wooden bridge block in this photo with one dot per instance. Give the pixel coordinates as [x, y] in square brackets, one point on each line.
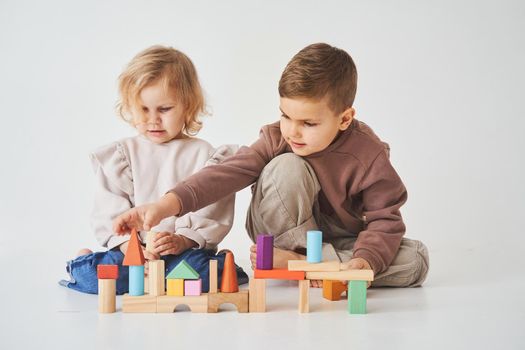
[197, 304]
[239, 299]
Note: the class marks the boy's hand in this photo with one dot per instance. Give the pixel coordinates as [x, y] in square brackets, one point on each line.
[357, 264]
[171, 243]
[146, 216]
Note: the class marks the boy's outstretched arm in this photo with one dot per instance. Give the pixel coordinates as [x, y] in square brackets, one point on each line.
[146, 216]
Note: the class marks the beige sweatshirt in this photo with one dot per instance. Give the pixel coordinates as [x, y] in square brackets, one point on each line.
[136, 171]
[359, 186]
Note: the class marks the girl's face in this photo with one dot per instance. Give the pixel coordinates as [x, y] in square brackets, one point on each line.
[162, 116]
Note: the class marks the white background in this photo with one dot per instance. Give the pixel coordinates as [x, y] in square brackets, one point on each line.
[442, 82]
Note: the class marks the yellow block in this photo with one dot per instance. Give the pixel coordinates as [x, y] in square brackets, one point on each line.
[175, 287]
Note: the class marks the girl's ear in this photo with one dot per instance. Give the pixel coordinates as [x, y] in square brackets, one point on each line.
[346, 118]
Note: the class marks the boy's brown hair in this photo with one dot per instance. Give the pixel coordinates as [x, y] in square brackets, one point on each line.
[175, 71]
[321, 70]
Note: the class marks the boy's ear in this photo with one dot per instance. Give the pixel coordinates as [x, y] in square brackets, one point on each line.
[346, 118]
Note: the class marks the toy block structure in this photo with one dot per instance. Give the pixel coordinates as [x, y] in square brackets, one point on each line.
[107, 288]
[176, 278]
[229, 275]
[332, 290]
[213, 272]
[314, 246]
[134, 258]
[239, 299]
[279, 274]
[156, 277]
[264, 252]
[303, 265]
[257, 297]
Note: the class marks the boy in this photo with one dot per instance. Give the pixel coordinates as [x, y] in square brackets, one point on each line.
[318, 168]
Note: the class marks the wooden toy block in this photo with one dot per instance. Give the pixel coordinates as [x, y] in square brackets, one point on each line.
[239, 299]
[332, 290]
[136, 280]
[314, 246]
[344, 275]
[107, 295]
[168, 303]
[143, 303]
[150, 237]
[257, 295]
[176, 287]
[303, 265]
[193, 287]
[109, 272]
[264, 252]
[183, 271]
[357, 297]
[156, 277]
[304, 295]
[134, 255]
[213, 276]
[279, 274]
[229, 275]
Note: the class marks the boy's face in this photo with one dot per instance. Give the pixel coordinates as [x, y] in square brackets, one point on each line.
[162, 116]
[310, 126]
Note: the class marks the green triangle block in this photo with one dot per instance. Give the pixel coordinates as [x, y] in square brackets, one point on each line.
[357, 297]
[183, 271]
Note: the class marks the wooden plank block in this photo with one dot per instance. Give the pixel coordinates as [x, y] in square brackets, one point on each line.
[168, 303]
[357, 297]
[176, 287]
[279, 274]
[345, 275]
[109, 272]
[257, 295]
[303, 265]
[156, 277]
[332, 290]
[193, 287]
[143, 303]
[214, 274]
[264, 252]
[239, 299]
[304, 296]
[107, 295]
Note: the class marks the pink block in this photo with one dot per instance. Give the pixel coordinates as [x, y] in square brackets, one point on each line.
[193, 287]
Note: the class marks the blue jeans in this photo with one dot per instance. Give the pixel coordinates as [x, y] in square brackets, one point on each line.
[83, 270]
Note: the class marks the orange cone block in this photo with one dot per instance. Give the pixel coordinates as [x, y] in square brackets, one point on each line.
[229, 275]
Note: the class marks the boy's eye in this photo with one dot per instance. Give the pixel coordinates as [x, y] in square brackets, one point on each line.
[164, 109]
[309, 124]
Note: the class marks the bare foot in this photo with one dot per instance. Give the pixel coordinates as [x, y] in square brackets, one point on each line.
[316, 283]
[84, 251]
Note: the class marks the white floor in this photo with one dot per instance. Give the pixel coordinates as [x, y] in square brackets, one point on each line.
[470, 306]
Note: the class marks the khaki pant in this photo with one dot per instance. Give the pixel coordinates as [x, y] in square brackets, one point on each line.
[284, 204]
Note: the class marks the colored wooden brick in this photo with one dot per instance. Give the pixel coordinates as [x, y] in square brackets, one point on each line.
[193, 287]
[175, 287]
[357, 297]
[229, 275]
[183, 271]
[344, 275]
[264, 252]
[314, 246]
[332, 290]
[279, 274]
[134, 255]
[109, 272]
[136, 280]
[303, 265]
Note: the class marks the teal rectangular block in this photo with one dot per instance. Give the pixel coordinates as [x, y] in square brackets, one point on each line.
[357, 297]
[136, 280]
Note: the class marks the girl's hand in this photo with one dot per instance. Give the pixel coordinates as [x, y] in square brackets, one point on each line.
[146, 216]
[171, 243]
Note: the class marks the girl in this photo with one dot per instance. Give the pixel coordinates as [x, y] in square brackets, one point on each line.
[160, 96]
